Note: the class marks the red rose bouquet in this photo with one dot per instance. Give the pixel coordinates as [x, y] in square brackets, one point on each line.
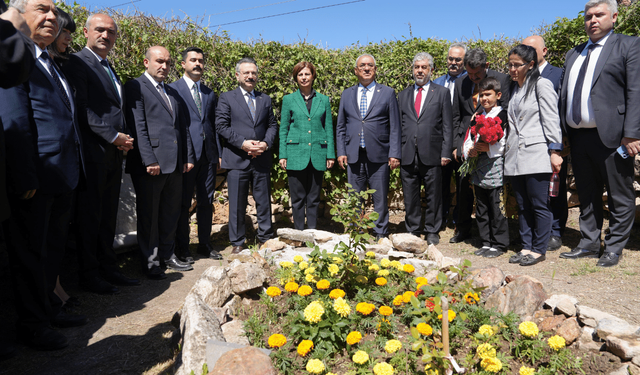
[490, 131]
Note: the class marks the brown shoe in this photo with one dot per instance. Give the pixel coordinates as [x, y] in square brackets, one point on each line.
[236, 250]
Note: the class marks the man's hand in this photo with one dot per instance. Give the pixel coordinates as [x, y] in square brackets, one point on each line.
[455, 154]
[123, 142]
[283, 163]
[394, 163]
[219, 166]
[29, 193]
[632, 145]
[444, 161]
[254, 148]
[342, 161]
[330, 163]
[556, 161]
[17, 20]
[187, 167]
[153, 169]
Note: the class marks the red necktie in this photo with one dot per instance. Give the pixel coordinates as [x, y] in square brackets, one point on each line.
[418, 101]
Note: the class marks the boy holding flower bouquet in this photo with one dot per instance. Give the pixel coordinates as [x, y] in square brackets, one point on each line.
[483, 151]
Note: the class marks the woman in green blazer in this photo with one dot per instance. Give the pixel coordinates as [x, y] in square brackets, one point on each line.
[306, 144]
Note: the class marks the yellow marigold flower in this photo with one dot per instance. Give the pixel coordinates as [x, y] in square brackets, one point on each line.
[392, 346]
[381, 281]
[397, 301]
[556, 342]
[342, 307]
[337, 260]
[354, 338]
[273, 291]
[362, 279]
[528, 329]
[421, 280]
[385, 263]
[277, 340]
[408, 268]
[383, 273]
[309, 278]
[385, 310]
[491, 364]
[305, 347]
[303, 265]
[397, 265]
[336, 293]
[370, 254]
[383, 368]
[285, 264]
[486, 351]
[486, 330]
[424, 329]
[524, 370]
[291, 287]
[305, 290]
[406, 296]
[365, 308]
[310, 271]
[451, 315]
[323, 284]
[298, 258]
[471, 298]
[374, 267]
[334, 269]
[315, 366]
[431, 371]
[361, 357]
[313, 312]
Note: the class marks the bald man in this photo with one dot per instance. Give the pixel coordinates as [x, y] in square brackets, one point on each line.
[548, 71]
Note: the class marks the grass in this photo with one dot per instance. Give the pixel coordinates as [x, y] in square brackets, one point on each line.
[585, 269]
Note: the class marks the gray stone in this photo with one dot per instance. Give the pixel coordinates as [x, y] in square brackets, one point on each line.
[233, 305]
[614, 326]
[213, 286]
[432, 276]
[321, 236]
[126, 220]
[274, 244]
[379, 249]
[523, 296]
[198, 324]
[590, 316]
[624, 346]
[636, 360]
[215, 350]
[569, 330]
[624, 370]
[294, 235]
[234, 332]
[553, 301]
[434, 254]
[566, 307]
[245, 277]
[490, 277]
[222, 314]
[408, 243]
[589, 341]
[421, 266]
[395, 255]
[448, 262]
[385, 242]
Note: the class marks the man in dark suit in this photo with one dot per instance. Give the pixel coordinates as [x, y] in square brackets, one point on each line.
[245, 120]
[201, 102]
[368, 137]
[599, 111]
[559, 206]
[162, 152]
[465, 104]
[100, 104]
[425, 111]
[44, 165]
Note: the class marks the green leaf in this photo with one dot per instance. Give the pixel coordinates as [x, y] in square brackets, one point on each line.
[417, 345]
[414, 333]
[414, 302]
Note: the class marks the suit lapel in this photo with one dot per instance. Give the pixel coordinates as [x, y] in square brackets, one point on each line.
[102, 74]
[259, 105]
[374, 99]
[53, 83]
[297, 98]
[315, 104]
[604, 56]
[154, 90]
[242, 103]
[206, 96]
[428, 99]
[187, 95]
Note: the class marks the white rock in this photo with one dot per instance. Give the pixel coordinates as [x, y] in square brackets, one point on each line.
[399, 255]
[295, 235]
[234, 332]
[552, 302]
[245, 277]
[321, 236]
[590, 316]
[434, 254]
[636, 360]
[421, 266]
[213, 287]
[409, 243]
[614, 326]
[625, 347]
[566, 307]
[447, 262]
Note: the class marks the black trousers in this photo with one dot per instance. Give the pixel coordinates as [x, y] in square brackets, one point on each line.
[492, 225]
[534, 215]
[238, 181]
[304, 187]
[413, 176]
[559, 204]
[464, 200]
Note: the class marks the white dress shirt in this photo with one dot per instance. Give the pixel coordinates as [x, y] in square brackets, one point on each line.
[425, 91]
[370, 89]
[64, 82]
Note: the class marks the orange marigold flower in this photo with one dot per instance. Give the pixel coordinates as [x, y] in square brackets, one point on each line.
[397, 301]
[323, 284]
[305, 347]
[305, 290]
[273, 291]
[406, 297]
[408, 268]
[354, 338]
[291, 287]
[386, 310]
[424, 329]
[365, 308]
[277, 340]
[336, 293]
[471, 298]
[381, 281]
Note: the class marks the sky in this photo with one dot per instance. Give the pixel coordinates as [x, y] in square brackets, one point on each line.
[358, 21]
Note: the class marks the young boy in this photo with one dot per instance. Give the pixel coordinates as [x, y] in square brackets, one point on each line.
[487, 177]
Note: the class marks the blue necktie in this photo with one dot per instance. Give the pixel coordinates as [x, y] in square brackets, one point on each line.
[363, 112]
[576, 105]
[54, 74]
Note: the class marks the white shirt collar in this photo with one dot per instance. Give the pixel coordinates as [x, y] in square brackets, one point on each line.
[245, 92]
[190, 82]
[95, 54]
[541, 67]
[425, 87]
[370, 87]
[602, 40]
[155, 83]
[493, 112]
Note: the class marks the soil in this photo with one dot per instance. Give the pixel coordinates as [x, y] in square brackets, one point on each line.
[130, 333]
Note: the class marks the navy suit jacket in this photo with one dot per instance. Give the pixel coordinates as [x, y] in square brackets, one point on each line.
[159, 136]
[553, 74]
[100, 108]
[43, 144]
[615, 92]
[235, 125]
[431, 131]
[201, 128]
[381, 125]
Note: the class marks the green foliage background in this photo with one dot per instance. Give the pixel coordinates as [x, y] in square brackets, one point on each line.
[275, 60]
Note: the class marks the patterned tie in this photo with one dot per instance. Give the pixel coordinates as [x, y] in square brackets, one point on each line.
[164, 97]
[363, 112]
[418, 101]
[105, 65]
[252, 106]
[196, 98]
[576, 105]
[54, 74]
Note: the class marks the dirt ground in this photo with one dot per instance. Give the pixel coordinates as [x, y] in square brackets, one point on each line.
[130, 333]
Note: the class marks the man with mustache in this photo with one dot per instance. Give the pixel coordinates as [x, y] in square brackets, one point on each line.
[245, 120]
[162, 152]
[44, 165]
[100, 103]
[201, 102]
[425, 112]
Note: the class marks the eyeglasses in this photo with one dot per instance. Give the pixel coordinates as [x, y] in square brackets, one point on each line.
[456, 59]
[515, 66]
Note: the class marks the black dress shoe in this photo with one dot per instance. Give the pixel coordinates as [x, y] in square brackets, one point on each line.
[516, 259]
[64, 320]
[117, 278]
[44, 339]
[72, 302]
[555, 243]
[215, 255]
[578, 253]
[237, 249]
[609, 259]
[481, 250]
[97, 284]
[156, 273]
[493, 253]
[529, 260]
[185, 255]
[459, 237]
[433, 238]
[175, 264]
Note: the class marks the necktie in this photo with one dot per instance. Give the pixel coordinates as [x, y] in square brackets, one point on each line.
[418, 101]
[363, 112]
[252, 106]
[576, 105]
[105, 65]
[54, 74]
[164, 97]
[196, 98]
